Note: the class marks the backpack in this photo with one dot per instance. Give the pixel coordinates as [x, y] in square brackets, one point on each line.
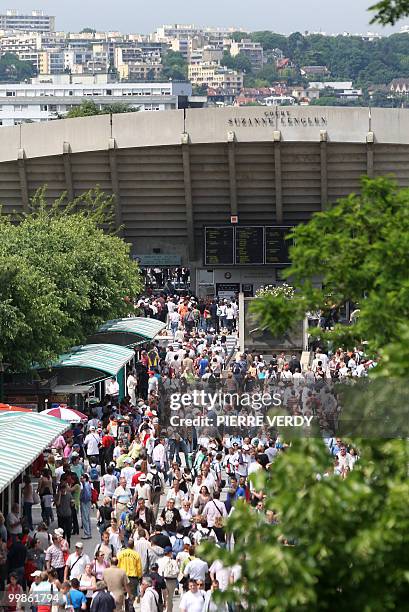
[93, 473]
[129, 524]
[94, 496]
[153, 358]
[236, 369]
[171, 569]
[177, 546]
[155, 484]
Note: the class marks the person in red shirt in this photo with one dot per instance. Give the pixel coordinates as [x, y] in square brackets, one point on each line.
[108, 445]
[12, 589]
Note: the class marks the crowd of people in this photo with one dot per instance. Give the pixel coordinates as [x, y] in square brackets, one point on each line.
[185, 316]
[155, 492]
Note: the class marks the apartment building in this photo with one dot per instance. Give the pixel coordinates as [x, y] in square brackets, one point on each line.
[46, 101]
[253, 51]
[214, 76]
[140, 71]
[36, 21]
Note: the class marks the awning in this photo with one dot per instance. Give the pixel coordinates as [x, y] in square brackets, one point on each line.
[89, 363]
[129, 331]
[23, 437]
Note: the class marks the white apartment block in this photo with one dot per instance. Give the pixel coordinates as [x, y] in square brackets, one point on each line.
[215, 76]
[37, 21]
[46, 101]
[253, 51]
[167, 32]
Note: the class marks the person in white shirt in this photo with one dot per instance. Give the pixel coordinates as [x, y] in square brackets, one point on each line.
[221, 574]
[208, 479]
[177, 494]
[143, 490]
[128, 472]
[344, 459]
[193, 600]
[76, 562]
[196, 569]
[152, 383]
[174, 320]
[149, 596]
[159, 454]
[109, 482]
[112, 388]
[214, 508]
[91, 443]
[131, 384]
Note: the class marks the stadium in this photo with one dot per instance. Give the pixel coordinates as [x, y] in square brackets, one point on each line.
[245, 174]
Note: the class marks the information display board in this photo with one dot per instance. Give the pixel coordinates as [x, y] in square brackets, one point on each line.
[276, 246]
[219, 246]
[249, 245]
[227, 291]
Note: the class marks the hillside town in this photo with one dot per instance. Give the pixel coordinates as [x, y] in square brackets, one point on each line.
[46, 74]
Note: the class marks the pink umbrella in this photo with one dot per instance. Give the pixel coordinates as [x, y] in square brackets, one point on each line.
[65, 414]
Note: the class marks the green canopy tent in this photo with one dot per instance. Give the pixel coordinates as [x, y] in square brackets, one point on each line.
[130, 331]
[23, 437]
[90, 364]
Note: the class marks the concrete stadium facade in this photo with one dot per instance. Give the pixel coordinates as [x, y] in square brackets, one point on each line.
[175, 172]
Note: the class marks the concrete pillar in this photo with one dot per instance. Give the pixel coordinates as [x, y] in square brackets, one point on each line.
[231, 154]
[278, 177]
[187, 182]
[113, 169]
[241, 322]
[69, 183]
[370, 154]
[324, 170]
[22, 173]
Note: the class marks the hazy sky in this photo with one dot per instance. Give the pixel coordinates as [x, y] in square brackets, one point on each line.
[143, 16]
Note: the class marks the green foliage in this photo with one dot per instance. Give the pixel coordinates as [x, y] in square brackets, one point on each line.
[88, 31]
[348, 58]
[388, 12]
[13, 70]
[89, 108]
[334, 101]
[360, 250]
[174, 66]
[239, 62]
[61, 276]
[338, 545]
[270, 40]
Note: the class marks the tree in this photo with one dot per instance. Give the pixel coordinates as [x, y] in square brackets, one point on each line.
[335, 544]
[12, 69]
[238, 62]
[88, 31]
[360, 250]
[174, 66]
[388, 12]
[88, 108]
[61, 276]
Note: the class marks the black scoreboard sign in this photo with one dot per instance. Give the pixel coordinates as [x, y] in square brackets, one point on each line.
[246, 245]
[276, 246]
[219, 246]
[249, 245]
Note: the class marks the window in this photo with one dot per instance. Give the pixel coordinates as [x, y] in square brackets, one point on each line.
[44, 107]
[109, 92]
[9, 94]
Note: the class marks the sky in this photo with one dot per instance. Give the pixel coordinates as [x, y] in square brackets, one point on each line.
[330, 16]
